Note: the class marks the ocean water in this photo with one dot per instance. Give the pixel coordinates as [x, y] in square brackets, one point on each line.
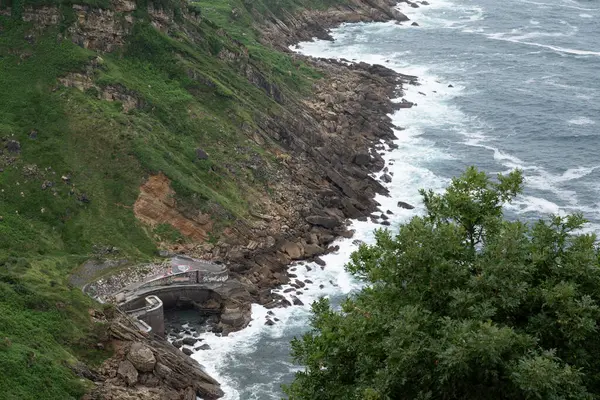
[525, 93]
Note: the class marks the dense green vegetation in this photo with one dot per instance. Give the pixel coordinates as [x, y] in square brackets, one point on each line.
[463, 304]
[71, 163]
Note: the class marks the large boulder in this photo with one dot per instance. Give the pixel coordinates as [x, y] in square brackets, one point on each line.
[326, 222]
[127, 372]
[293, 250]
[405, 205]
[312, 250]
[141, 357]
[190, 341]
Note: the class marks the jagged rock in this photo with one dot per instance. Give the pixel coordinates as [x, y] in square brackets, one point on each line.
[127, 372]
[190, 341]
[389, 212]
[407, 206]
[362, 158]
[326, 222]
[269, 322]
[311, 250]
[293, 250]
[148, 379]
[386, 178]
[297, 301]
[141, 357]
[320, 261]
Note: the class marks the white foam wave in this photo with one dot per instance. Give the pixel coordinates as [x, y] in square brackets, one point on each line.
[558, 49]
[443, 14]
[554, 5]
[586, 16]
[581, 121]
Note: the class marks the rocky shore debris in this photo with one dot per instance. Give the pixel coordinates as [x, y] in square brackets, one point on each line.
[144, 368]
[402, 204]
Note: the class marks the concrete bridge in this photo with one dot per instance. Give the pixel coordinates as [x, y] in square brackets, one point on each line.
[205, 285]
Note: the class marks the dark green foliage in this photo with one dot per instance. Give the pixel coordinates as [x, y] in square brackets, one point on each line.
[462, 304]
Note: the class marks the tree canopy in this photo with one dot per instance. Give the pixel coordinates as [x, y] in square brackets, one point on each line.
[461, 303]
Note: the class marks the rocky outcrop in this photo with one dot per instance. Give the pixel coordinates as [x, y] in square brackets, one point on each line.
[308, 24]
[103, 29]
[143, 368]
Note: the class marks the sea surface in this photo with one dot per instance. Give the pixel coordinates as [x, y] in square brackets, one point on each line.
[504, 84]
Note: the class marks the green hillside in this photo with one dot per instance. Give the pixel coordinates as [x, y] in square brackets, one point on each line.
[71, 162]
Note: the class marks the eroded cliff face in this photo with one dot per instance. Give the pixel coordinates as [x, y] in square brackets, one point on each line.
[156, 205]
[101, 29]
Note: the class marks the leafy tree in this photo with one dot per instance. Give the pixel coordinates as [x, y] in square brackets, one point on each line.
[462, 304]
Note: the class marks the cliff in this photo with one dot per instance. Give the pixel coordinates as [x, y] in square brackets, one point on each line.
[132, 127]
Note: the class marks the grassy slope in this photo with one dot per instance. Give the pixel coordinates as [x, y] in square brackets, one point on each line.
[107, 154]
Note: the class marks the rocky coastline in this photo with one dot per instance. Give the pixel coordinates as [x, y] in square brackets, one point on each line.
[331, 145]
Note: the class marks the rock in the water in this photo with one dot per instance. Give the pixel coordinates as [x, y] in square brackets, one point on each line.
[299, 283]
[187, 351]
[450, 86]
[386, 178]
[178, 343]
[127, 372]
[389, 212]
[203, 347]
[415, 24]
[141, 357]
[319, 261]
[414, 5]
[269, 322]
[407, 206]
[190, 341]
[386, 223]
[297, 301]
